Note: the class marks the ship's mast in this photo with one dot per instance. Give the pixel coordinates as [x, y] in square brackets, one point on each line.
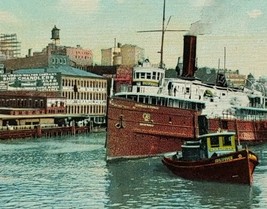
[162, 36]
[163, 30]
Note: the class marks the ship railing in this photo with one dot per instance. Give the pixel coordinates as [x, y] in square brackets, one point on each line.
[3, 128]
[252, 117]
[52, 125]
[242, 117]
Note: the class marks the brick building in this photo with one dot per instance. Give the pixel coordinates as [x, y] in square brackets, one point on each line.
[78, 58]
[27, 107]
[85, 93]
[121, 75]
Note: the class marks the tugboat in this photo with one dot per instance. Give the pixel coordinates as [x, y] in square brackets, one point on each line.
[214, 157]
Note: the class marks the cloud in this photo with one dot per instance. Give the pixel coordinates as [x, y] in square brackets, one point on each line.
[8, 17]
[254, 13]
[79, 6]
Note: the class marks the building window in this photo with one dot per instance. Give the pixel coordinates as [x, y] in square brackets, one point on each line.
[84, 109]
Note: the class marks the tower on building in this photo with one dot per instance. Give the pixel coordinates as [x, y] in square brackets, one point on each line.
[55, 35]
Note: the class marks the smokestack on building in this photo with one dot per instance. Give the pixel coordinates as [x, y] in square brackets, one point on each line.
[189, 57]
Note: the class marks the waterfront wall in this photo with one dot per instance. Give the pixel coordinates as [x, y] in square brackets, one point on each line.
[37, 132]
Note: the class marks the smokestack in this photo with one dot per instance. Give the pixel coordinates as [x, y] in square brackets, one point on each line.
[189, 57]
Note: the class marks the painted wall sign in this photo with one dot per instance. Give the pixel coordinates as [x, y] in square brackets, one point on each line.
[40, 82]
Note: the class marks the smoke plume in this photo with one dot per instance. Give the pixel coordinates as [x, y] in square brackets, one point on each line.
[212, 12]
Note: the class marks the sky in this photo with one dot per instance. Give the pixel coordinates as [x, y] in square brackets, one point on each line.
[237, 28]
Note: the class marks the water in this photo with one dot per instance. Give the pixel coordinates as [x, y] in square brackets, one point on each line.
[71, 172]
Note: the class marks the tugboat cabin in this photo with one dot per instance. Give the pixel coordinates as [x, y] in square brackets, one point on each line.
[209, 146]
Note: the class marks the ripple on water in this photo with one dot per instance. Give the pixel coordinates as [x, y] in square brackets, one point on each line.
[72, 173]
[53, 174]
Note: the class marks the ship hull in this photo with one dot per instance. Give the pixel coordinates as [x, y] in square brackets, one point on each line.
[247, 131]
[137, 130]
[141, 130]
[237, 167]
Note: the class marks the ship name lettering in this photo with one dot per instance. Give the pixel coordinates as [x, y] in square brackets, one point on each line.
[225, 159]
[146, 124]
[146, 106]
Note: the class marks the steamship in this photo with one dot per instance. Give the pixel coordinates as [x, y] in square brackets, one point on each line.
[158, 115]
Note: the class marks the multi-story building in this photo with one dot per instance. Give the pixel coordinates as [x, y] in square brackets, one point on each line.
[30, 107]
[40, 60]
[79, 56]
[131, 54]
[107, 57]
[111, 56]
[119, 77]
[9, 46]
[126, 54]
[85, 93]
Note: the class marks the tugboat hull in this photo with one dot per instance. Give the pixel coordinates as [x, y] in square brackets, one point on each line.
[236, 167]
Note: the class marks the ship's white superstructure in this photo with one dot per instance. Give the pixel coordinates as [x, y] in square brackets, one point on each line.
[219, 101]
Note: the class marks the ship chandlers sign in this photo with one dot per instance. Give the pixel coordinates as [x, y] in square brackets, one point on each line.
[36, 81]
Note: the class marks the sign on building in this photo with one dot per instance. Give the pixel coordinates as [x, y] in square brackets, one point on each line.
[34, 81]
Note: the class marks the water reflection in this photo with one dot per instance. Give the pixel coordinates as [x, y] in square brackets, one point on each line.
[147, 183]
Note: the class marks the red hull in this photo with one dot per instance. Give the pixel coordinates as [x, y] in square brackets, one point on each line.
[235, 167]
[252, 131]
[141, 130]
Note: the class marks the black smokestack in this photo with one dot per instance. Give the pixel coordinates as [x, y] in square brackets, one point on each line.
[189, 57]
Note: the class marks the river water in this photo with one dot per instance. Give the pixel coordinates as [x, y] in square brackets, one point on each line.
[71, 172]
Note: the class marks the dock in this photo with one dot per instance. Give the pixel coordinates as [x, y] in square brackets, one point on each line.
[19, 132]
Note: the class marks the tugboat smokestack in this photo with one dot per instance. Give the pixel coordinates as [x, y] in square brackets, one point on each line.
[189, 57]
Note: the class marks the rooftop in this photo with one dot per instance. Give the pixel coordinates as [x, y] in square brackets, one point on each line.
[64, 70]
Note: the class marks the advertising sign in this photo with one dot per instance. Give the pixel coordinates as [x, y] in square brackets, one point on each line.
[39, 82]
